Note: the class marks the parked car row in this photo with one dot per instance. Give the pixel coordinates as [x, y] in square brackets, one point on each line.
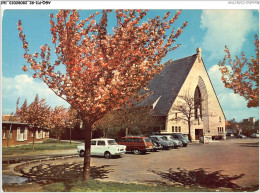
[242, 136]
[136, 144]
[254, 135]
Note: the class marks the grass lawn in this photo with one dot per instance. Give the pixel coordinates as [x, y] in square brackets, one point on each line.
[97, 186]
[49, 144]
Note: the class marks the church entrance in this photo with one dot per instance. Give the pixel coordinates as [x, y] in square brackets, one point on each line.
[198, 133]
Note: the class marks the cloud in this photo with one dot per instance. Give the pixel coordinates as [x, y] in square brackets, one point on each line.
[233, 105]
[226, 27]
[26, 87]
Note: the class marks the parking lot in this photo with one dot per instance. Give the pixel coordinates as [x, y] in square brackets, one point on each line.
[231, 163]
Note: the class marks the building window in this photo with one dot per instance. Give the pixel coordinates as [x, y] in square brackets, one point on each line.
[219, 119]
[176, 115]
[179, 129]
[37, 133]
[20, 133]
[43, 134]
[197, 103]
[176, 129]
[220, 129]
[25, 133]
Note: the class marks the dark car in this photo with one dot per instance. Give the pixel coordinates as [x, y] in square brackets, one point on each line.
[177, 143]
[166, 144]
[185, 137]
[241, 136]
[156, 145]
[137, 144]
[181, 137]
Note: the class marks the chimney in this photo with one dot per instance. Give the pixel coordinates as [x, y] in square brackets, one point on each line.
[199, 50]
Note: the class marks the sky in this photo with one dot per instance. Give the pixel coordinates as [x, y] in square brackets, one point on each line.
[207, 28]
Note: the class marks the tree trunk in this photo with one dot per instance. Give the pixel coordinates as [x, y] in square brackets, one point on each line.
[70, 135]
[8, 137]
[126, 131]
[33, 137]
[86, 165]
[105, 132]
[189, 131]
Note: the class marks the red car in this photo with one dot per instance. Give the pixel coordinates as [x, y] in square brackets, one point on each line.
[137, 144]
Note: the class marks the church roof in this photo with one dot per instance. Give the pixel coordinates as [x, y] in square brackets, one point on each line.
[167, 84]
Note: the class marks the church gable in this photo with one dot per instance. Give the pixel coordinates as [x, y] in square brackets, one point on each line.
[167, 84]
[199, 78]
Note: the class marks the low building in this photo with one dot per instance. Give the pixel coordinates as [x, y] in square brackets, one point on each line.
[16, 133]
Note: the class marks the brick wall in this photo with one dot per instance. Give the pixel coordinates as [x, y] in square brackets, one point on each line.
[18, 135]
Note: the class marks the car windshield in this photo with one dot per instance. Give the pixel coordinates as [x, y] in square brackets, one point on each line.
[184, 136]
[147, 140]
[180, 136]
[111, 142]
[163, 138]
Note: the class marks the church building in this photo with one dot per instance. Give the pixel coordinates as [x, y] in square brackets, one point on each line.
[184, 84]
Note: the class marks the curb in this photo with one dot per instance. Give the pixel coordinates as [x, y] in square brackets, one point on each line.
[15, 169]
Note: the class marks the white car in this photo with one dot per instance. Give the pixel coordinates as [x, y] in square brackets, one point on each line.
[103, 147]
[255, 135]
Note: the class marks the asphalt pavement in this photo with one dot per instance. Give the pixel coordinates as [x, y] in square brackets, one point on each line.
[236, 161]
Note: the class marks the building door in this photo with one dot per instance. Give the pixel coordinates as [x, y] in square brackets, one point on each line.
[198, 133]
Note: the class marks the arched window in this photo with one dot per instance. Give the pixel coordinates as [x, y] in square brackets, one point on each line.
[197, 103]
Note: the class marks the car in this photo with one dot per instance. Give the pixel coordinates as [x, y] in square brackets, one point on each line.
[137, 144]
[230, 135]
[185, 137]
[103, 147]
[241, 136]
[177, 143]
[156, 145]
[217, 137]
[255, 135]
[181, 137]
[166, 144]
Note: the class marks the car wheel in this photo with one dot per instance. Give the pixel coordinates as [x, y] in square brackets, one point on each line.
[143, 152]
[136, 151]
[185, 145]
[107, 155]
[82, 153]
[175, 147]
[165, 147]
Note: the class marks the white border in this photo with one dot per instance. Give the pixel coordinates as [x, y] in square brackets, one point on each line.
[102, 4]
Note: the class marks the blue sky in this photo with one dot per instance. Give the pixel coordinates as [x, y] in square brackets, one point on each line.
[209, 29]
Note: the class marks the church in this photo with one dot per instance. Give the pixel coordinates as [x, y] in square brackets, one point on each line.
[184, 99]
